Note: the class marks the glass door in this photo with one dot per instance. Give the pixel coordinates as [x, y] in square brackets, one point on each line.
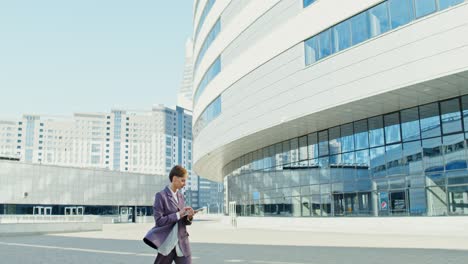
[399, 202]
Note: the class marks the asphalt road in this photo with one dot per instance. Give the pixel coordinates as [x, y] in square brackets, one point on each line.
[70, 250]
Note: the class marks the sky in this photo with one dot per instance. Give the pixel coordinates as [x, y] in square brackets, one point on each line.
[58, 57]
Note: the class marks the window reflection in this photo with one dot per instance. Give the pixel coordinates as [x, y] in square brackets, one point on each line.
[410, 124]
[347, 139]
[378, 19]
[401, 12]
[430, 120]
[341, 36]
[361, 134]
[451, 117]
[340, 167]
[334, 142]
[359, 28]
[323, 143]
[376, 132]
[424, 7]
[392, 128]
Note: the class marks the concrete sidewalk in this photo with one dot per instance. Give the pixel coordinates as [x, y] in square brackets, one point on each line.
[404, 232]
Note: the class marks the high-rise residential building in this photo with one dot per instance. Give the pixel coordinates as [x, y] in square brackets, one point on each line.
[134, 141]
[8, 138]
[184, 96]
[333, 108]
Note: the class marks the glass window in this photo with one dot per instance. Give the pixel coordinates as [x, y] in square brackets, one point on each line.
[348, 159]
[334, 142]
[430, 122]
[417, 201]
[465, 111]
[313, 145]
[424, 7]
[307, 2]
[303, 148]
[432, 155]
[341, 36]
[378, 19]
[377, 162]
[401, 12]
[347, 139]
[376, 131]
[294, 145]
[279, 154]
[286, 153]
[362, 158]
[311, 50]
[323, 143]
[392, 128]
[361, 137]
[412, 153]
[324, 44]
[451, 117]
[443, 4]
[394, 161]
[410, 124]
[458, 200]
[359, 28]
[454, 152]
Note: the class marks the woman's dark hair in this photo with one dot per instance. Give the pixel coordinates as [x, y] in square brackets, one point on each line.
[178, 171]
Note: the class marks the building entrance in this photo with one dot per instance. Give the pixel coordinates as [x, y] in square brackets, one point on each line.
[398, 202]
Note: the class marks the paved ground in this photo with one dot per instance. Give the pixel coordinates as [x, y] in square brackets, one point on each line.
[214, 242]
[58, 249]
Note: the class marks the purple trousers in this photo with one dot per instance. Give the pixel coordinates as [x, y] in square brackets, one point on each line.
[161, 259]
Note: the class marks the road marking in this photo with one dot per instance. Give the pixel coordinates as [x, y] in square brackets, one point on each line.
[84, 250]
[261, 261]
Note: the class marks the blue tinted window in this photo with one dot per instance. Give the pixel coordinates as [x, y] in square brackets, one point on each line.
[323, 143]
[454, 151]
[378, 19]
[443, 4]
[311, 50]
[307, 2]
[209, 4]
[206, 44]
[401, 12]
[211, 112]
[361, 137]
[324, 44]
[362, 157]
[341, 36]
[377, 161]
[424, 7]
[347, 139]
[451, 116]
[376, 132]
[430, 122]
[410, 124]
[313, 145]
[392, 128]
[359, 28]
[209, 75]
[335, 144]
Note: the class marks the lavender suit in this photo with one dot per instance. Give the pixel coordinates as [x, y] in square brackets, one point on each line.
[165, 210]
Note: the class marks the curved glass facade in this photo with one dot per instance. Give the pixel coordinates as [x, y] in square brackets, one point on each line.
[409, 162]
[373, 22]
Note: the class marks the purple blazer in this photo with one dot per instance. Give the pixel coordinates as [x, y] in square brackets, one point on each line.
[164, 211]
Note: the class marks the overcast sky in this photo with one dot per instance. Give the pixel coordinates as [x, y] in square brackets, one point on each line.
[63, 56]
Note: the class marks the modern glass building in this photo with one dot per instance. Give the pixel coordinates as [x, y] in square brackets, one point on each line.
[34, 189]
[334, 108]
